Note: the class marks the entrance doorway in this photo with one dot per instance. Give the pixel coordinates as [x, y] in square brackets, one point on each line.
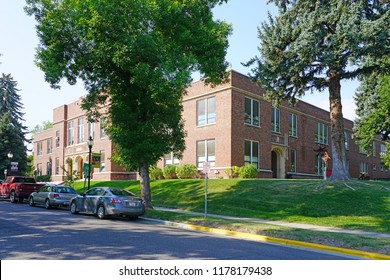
[274, 164]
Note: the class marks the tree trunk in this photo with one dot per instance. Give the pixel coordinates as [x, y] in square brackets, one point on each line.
[338, 157]
[145, 183]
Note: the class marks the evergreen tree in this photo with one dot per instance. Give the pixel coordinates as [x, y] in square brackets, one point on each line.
[313, 45]
[12, 132]
[373, 110]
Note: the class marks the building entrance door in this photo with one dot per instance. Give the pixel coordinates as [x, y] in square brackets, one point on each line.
[274, 164]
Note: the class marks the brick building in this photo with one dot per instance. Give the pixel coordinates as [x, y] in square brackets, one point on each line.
[228, 125]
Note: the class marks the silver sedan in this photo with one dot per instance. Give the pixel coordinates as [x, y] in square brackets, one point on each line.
[107, 201]
[52, 196]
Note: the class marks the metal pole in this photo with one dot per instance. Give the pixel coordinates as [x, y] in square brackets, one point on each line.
[205, 196]
[89, 166]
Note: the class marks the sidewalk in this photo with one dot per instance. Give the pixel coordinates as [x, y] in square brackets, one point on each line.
[284, 224]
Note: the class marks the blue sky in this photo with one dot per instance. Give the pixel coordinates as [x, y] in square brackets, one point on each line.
[18, 41]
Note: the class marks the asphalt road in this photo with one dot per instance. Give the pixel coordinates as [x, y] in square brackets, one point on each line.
[36, 233]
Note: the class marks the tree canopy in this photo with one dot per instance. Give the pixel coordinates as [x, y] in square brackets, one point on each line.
[135, 59]
[373, 110]
[12, 131]
[312, 45]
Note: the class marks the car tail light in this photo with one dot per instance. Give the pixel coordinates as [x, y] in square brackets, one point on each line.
[56, 195]
[115, 200]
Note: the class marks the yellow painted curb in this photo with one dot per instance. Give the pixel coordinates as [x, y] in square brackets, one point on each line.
[263, 238]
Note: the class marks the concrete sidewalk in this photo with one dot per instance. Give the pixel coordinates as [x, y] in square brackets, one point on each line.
[284, 224]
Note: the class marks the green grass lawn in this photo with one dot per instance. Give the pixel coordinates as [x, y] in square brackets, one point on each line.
[363, 205]
[360, 205]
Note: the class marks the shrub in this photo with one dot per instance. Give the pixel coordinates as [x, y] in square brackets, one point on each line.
[169, 171]
[186, 171]
[248, 171]
[235, 171]
[156, 173]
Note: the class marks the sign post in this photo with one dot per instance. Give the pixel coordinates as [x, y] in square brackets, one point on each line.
[206, 171]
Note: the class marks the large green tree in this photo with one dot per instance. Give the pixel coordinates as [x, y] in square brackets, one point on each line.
[373, 111]
[313, 45]
[12, 131]
[135, 58]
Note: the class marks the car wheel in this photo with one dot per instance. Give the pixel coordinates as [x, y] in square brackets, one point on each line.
[133, 218]
[101, 212]
[12, 197]
[47, 204]
[73, 208]
[31, 201]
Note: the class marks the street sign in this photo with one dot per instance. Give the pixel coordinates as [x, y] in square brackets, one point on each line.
[14, 166]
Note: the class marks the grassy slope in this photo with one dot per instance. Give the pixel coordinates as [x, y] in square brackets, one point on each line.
[353, 205]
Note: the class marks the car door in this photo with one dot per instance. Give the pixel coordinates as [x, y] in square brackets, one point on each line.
[40, 195]
[91, 198]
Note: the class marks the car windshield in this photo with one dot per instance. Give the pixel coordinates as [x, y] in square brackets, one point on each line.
[65, 190]
[121, 192]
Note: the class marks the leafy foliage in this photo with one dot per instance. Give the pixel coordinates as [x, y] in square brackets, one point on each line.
[156, 173]
[248, 171]
[373, 110]
[186, 171]
[169, 171]
[135, 58]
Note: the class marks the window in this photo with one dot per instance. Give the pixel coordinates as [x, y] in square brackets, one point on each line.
[170, 159]
[346, 140]
[275, 120]
[91, 132]
[57, 138]
[102, 126]
[364, 167]
[322, 134]
[49, 145]
[48, 168]
[293, 161]
[102, 167]
[39, 148]
[251, 153]
[383, 149]
[252, 112]
[319, 165]
[70, 133]
[205, 111]
[80, 130]
[292, 128]
[39, 169]
[374, 148]
[57, 166]
[205, 152]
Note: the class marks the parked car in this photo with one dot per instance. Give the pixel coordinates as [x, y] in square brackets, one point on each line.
[107, 201]
[17, 188]
[52, 196]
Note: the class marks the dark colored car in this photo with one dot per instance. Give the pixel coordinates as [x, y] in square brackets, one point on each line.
[107, 201]
[52, 196]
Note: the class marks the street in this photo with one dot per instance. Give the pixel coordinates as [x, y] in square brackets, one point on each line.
[36, 233]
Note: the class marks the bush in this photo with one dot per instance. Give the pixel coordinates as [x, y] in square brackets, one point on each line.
[186, 171]
[235, 171]
[248, 171]
[156, 173]
[169, 171]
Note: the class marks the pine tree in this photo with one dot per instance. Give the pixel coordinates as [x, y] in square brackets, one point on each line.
[314, 45]
[12, 132]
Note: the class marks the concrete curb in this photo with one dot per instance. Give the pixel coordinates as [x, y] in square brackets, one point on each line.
[268, 239]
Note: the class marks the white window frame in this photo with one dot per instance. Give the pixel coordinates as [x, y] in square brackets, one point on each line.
[293, 125]
[70, 133]
[210, 115]
[206, 157]
[252, 116]
[252, 158]
[80, 130]
[322, 133]
[275, 120]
